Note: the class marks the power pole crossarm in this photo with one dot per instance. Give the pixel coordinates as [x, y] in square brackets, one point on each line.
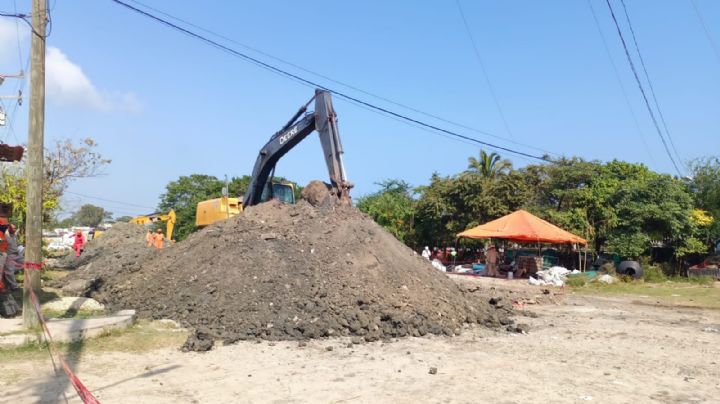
[36, 133]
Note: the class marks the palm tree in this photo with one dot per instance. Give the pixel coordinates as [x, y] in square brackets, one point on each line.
[488, 165]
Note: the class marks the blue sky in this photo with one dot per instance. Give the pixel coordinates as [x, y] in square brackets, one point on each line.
[162, 105]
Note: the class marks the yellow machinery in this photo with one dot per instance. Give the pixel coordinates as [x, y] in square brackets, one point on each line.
[214, 210]
[159, 217]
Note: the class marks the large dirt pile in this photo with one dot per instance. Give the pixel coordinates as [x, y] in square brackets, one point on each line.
[296, 272]
[113, 255]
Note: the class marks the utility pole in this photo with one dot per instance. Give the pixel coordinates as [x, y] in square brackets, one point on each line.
[36, 133]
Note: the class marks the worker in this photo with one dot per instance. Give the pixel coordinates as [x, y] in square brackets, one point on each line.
[4, 225]
[159, 239]
[150, 238]
[79, 244]
[491, 261]
[15, 258]
[426, 253]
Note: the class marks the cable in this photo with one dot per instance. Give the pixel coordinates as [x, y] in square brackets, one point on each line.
[108, 200]
[642, 90]
[379, 97]
[620, 83]
[482, 67]
[310, 83]
[710, 39]
[652, 88]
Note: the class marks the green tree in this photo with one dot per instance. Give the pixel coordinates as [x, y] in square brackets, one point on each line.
[123, 219]
[705, 185]
[64, 162]
[391, 207]
[488, 165]
[91, 215]
[183, 195]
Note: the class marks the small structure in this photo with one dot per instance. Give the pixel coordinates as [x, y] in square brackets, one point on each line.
[522, 226]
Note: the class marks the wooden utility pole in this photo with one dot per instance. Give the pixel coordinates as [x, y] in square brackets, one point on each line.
[34, 170]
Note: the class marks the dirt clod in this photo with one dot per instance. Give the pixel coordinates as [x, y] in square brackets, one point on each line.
[433, 371]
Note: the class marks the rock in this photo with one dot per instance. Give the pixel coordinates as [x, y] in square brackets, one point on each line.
[73, 303]
[433, 371]
[356, 340]
[328, 348]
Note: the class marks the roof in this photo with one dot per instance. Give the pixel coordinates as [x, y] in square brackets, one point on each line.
[523, 226]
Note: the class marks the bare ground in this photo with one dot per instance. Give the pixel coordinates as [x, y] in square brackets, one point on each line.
[580, 349]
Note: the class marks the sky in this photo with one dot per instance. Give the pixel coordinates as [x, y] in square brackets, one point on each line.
[161, 104]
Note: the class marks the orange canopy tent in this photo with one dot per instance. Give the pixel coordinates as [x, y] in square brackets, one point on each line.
[523, 226]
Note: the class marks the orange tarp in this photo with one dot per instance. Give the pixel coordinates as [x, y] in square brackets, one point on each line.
[522, 226]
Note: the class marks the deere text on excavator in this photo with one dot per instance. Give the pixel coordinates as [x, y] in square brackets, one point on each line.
[261, 188]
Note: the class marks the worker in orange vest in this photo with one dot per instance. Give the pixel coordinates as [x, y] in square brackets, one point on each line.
[150, 238]
[159, 239]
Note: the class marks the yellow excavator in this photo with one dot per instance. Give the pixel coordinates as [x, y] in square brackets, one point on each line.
[169, 217]
[262, 188]
[214, 210]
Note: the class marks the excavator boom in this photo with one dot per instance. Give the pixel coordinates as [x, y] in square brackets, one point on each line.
[324, 121]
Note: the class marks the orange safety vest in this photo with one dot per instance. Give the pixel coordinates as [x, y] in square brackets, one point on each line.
[3, 242]
[159, 238]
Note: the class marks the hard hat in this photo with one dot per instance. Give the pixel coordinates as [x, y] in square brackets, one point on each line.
[159, 230]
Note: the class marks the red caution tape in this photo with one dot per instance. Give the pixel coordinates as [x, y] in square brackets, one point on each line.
[36, 266]
[82, 391]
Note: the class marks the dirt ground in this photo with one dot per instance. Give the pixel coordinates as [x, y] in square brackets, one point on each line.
[580, 348]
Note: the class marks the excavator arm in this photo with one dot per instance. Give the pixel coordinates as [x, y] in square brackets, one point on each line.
[302, 124]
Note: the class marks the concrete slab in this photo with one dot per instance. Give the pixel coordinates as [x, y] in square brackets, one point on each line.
[12, 332]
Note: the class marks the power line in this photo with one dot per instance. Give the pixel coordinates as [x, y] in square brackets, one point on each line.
[709, 37]
[341, 83]
[109, 200]
[484, 70]
[642, 90]
[620, 83]
[652, 88]
[311, 83]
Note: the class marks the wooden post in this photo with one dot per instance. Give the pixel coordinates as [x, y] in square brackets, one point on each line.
[34, 170]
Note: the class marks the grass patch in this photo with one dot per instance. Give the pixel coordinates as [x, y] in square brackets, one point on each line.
[144, 336]
[669, 292]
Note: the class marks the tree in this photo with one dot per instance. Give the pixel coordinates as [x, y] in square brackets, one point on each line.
[183, 195]
[91, 215]
[123, 219]
[488, 165]
[705, 185]
[64, 162]
[391, 207]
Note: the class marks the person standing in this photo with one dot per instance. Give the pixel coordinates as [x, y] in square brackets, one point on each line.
[79, 244]
[491, 261]
[15, 259]
[150, 238]
[159, 239]
[4, 226]
[426, 253]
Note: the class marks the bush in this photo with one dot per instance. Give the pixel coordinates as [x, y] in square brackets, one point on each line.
[654, 274]
[576, 281]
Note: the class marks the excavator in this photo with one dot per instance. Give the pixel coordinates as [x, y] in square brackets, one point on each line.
[169, 217]
[261, 188]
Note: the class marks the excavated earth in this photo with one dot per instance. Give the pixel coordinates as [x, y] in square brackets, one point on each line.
[281, 272]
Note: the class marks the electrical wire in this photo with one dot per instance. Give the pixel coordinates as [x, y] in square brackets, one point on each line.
[642, 90]
[311, 83]
[330, 79]
[109, 200]
[620, 83]
[652, 88]
[709, 37]
[483, 69]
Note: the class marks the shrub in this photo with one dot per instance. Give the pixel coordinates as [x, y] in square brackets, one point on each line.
[654, 274]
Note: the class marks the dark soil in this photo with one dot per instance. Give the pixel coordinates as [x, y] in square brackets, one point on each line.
[291, 272]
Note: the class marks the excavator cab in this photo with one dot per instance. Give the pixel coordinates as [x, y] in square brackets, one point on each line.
[283, 192]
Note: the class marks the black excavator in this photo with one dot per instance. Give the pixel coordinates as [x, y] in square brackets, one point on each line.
[303, 123]
[261, 188]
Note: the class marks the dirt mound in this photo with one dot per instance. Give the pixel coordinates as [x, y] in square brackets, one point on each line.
[296, 272]
[118, 251]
